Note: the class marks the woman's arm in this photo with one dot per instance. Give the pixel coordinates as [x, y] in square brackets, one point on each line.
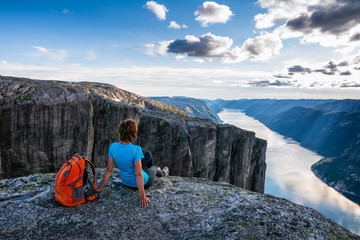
[107, 174]
[144, 201]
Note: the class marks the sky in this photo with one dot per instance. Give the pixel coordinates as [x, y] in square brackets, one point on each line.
[228, 49]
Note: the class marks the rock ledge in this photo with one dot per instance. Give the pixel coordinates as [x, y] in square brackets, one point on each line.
[181, 208]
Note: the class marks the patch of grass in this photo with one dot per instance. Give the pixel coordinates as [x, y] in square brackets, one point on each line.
[24, 98]
[324, 160]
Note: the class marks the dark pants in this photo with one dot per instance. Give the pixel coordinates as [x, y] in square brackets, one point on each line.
[149, 167]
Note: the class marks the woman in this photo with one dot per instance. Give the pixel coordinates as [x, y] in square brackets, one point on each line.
[133, 172]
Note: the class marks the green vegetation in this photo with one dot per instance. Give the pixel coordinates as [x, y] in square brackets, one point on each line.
[24, 98]
[324, 160]
[164, 124]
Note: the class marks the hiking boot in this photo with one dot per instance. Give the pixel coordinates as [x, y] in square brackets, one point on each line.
[165, 170]
[159, 173]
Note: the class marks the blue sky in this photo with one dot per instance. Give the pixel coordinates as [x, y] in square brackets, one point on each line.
[205, 49]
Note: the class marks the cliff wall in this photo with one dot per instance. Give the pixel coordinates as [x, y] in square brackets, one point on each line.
[43, 123]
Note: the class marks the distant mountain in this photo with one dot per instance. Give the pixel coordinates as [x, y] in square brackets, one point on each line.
[194, 107]
[326, 132]
[348, 105]
[328, 127]
[262, 108]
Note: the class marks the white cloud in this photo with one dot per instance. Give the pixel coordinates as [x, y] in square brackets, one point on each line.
[180, 57]
[41, 49]
[281, 10]
[198, 60]
[158, 9]
[160, 48]
[91, 55]
[329, 23]
[210, 46]
[214, 82]
[115, 45]
[175, 25]
[50, 54]
[212, 12]
[263, 47]
[66, 11]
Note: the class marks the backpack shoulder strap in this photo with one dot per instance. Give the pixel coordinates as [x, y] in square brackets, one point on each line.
[93, 170]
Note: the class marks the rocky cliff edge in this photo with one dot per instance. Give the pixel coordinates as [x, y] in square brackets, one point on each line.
[180, 208]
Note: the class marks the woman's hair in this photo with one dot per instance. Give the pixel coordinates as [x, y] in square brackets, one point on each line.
[127, 130]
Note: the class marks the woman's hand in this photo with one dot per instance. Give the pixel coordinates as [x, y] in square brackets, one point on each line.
[144, 201]
[107, 174]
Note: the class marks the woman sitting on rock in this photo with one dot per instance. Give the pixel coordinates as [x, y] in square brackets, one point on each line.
[134, 173]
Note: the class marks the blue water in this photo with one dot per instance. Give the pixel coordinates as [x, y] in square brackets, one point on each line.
[289, 175]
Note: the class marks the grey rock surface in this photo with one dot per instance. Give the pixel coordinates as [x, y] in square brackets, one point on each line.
[180, 208]
[43, 123]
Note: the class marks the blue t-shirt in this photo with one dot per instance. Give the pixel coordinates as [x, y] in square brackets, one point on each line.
[125, 157]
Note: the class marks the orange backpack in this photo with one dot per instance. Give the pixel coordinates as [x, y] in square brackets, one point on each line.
[71, 180]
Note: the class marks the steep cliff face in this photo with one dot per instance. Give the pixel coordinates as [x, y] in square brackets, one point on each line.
[180, 208]
[43, 123]
[326, 132]
[262, 109]
[342, 172]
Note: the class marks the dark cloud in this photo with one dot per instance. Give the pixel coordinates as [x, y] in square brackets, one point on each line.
[333, 68]
[334, 19]
[329, 69]
[207, 45]
[267, 83]
[346, 85]
[260, 83]
[281, 83]
[331, 65]
[356, 37]
[324, 71]
[343, 64]
[253, 49]
[300, 24]
[346, 73]
[356, 60]
[281, 76]
[357, 68]
[298, 69]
